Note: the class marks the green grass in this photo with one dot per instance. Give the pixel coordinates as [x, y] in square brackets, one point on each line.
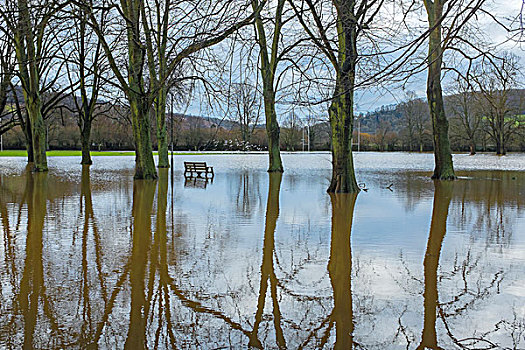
[22, 153]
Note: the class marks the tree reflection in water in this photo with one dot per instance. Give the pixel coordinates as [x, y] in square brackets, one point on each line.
[99, 267]
[32, 291]
[340, 268]
[267, 266]
[438, 229]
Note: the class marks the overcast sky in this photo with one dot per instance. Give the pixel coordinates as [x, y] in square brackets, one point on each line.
[371, 99]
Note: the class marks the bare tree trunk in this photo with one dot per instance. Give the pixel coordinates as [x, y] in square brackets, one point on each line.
[268, 68]
[444, 169]
[162, 133]
[145, 164]
[341, 111]
[500, 135]
[140, 105]
[29, 140]
[272, 131]
[85, 140]
[472, 147]
[341, 122]
[38, 132]
[30, 78]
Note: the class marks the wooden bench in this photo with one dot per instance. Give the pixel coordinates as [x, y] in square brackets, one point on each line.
[198, 168]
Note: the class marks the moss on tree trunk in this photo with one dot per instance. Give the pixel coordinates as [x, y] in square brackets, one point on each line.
[144, 162]
[343, 175]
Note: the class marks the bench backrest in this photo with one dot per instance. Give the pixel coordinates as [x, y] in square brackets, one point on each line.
[196, 166]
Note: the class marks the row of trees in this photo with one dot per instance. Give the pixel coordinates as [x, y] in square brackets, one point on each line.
[74, 55]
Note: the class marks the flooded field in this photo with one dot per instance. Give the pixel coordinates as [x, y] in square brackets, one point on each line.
[90, 258]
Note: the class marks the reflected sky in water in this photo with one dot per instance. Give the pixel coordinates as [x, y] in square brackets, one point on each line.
[92, 259]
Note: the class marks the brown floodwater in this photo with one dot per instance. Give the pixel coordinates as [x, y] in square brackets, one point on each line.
[90, 258]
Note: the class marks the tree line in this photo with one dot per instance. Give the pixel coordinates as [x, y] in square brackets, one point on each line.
[257, 60]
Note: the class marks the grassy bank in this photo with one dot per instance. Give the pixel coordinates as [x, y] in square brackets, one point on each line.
[22, 153]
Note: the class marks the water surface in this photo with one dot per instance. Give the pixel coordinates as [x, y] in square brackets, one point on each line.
[92, 259]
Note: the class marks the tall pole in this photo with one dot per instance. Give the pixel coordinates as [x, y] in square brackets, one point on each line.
[1, 138]
[303, 138]
[171, 136]
[358, 134]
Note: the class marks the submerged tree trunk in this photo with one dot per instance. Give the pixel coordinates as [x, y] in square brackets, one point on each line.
[38, 133]
[29, 140]
[28, 63]
[144, 162]
[500, 141]
[343, 175]
[269, 61]
[472, 148]
[273, 132]
[341, 111]
[85, 140]
[444, 169]
[162, 134]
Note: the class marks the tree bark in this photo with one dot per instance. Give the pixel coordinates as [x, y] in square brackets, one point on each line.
[144, 162]
[343, 175]
[268, 68]
[85, 140]
[29, 74]
[444, 169]
[272, 131]
[162, 133]
[500, 142]
[341, 111]
[29, 140]
[38, 132]
[472, 147]
[140, 105]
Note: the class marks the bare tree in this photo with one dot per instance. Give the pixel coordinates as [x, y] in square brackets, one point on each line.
[415, 115]
[292, 131]
[335, 28]
[87, 65]
[7, 67]
[496, 80]
[270, 55]
[33, 26]
[246, 105]
[465, 112]
[446, 20]
[198, 25]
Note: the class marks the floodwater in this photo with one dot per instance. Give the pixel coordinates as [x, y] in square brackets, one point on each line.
[90, 258]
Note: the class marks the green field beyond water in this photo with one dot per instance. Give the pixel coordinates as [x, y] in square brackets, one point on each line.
[22, 153]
